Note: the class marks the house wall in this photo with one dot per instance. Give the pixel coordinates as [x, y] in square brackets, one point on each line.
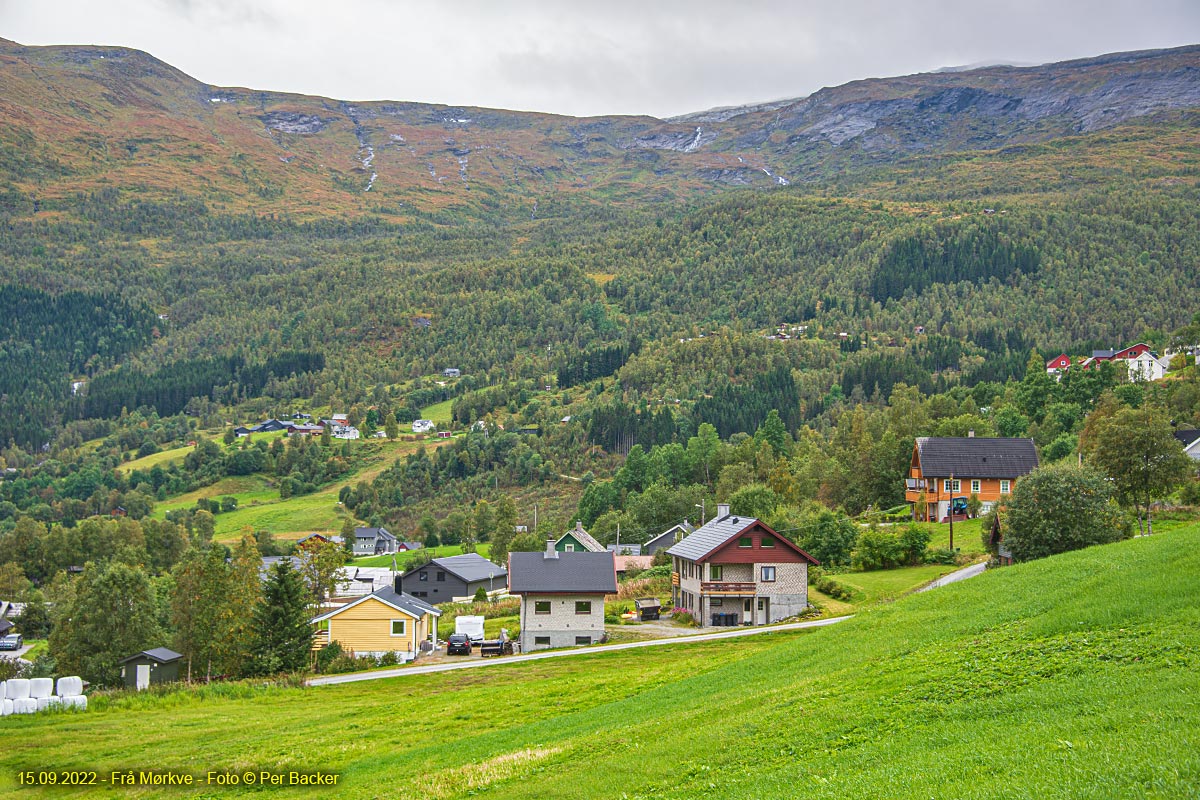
[562, 624]
[366, 628]
[431, 590]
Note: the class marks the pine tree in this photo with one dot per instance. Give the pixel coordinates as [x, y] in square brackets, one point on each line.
[281, 636]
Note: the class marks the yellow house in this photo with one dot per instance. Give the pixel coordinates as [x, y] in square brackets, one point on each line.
[385, 621]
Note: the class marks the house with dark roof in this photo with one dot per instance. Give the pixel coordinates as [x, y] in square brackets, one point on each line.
[1190, 440]
[385, 621]
[577, 540]
[562, 595]
[670, 536]
[738, 571]
[946, 471]
[442, 580]
[373, 542]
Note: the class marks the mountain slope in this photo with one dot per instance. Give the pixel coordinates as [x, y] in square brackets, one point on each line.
[76, 118]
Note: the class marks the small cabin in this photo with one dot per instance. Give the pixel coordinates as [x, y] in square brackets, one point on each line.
[148, 667]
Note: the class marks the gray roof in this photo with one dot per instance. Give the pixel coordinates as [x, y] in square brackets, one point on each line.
[373, 534]
[160, 654]
[669, 533]
[976, 457]
[710, 536]
[583, 537]
[413, 605]
[534, 573]
[1187, 438]
[470, 567]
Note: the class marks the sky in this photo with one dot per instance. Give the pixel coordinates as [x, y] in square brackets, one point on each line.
[656, 57]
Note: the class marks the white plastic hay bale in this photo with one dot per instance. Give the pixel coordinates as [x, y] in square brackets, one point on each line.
[41, 687]
[44, 703]
[75, 701]
[26, 705]
[70, 686]
[3, 689]
[17, 689]
[5, 707]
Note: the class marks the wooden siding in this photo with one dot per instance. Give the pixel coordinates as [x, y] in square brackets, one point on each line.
[366, 628]
[731, 553]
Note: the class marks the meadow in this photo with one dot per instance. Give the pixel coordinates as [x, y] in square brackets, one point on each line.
[1075, 676]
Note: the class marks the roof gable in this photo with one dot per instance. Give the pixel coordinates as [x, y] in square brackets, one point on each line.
[585, 539]
[715, 535]
[402, 602]
[975, 457]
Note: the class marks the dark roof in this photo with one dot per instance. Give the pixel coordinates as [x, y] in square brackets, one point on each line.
[534, 573]
[470, 567]
[5, 625]
[160, 654]
[976, 457]
[1187, 438]
[413, 606]
[685, 527]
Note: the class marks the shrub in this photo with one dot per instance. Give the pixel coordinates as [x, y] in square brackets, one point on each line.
[877, 549]
[941, 555]
[914, 539]
[326, 655]
[481, 595]
[685, 617]
[831, 588]
[1061, 507]
[390, 659]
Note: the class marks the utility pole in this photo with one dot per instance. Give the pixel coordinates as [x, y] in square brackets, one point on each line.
[951, 512]
[701, 507]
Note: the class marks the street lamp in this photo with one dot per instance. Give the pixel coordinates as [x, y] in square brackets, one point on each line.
[700, 506]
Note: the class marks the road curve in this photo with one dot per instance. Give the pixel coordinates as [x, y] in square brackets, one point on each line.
[583, 651]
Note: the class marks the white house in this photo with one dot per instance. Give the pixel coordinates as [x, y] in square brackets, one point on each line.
[423, 426]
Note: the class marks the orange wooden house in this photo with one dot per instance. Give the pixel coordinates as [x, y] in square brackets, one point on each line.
[945, 472]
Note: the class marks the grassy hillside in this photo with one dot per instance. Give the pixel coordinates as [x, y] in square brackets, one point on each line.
[1070, 677]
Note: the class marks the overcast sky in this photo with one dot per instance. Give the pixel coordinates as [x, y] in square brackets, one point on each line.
[659, 57]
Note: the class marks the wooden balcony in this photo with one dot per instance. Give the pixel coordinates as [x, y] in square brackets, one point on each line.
[727, 587]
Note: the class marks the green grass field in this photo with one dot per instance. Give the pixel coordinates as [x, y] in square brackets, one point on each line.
[403, 558]
[1076, 676]
[439, 413]
[890, 584]
[163, 457]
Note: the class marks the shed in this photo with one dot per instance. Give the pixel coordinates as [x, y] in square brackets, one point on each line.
[159, 665]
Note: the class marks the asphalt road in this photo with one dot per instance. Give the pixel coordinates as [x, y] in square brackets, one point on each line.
[957, 575]
[583, 651]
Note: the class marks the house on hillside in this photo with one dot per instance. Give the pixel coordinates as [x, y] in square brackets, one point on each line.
[1056, 366]
[444, 579]
[946, 471]
[562, 595]
[270, 426]
[667, 538]
[577, 540]
[314, 540]
[451, 372]
[423, 426]
[1190, 440]
[385, 621]
[303, 429]
[373, 542]
[738, 571]
[1140, 363]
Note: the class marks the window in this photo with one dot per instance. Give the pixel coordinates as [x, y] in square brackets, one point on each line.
[583, 606]
[583, 640]
[762, 604]
[768, 574]
[542, 640]
[714, 572]
[422, 576]
[745, 541]
[398, 627]
[541, 607]
[1004, 487]
[570, 548]
[716, 602]
[441, 576]
[951, 486]
[975, 486]
[767, 541]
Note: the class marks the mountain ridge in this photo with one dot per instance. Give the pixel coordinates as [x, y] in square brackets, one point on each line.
[83, 117]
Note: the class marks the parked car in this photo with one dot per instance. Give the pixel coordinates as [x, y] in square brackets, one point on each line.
[458, 644]
[13, 641]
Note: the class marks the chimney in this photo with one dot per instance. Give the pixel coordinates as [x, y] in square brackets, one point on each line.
[722, 510]
[396, 584]
[971, 434]
[550, 551]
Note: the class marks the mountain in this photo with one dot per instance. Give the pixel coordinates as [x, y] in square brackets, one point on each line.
[81, 118]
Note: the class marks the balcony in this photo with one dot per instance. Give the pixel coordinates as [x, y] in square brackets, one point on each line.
[727, 587]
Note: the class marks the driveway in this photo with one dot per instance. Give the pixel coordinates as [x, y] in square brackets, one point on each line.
[956, 576]
[582, 651]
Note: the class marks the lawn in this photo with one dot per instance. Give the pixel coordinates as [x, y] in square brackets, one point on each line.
[1076, 676]
[162, 457]
[887, 584]
[439, 413]
[440, 551]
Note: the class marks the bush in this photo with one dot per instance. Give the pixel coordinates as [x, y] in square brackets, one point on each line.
[877, 549]
[685, 617]
[390, 659]
[326, 655]
[481, 595]
[1061, 507]
[914, 539]
[941, 555]
[831, 588]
